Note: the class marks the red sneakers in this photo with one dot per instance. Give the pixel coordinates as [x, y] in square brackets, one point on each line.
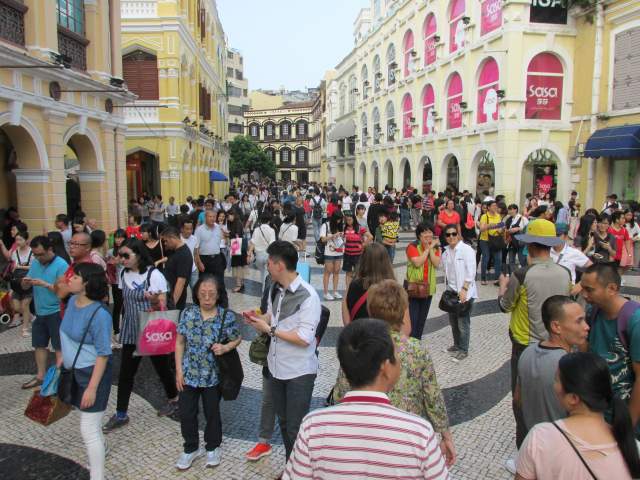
[259, 451]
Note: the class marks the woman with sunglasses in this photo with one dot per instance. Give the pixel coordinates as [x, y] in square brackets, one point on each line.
[143, 288]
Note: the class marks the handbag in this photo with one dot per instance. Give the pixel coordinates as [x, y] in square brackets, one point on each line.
[259, 349]
[496, 242]
[67, 384]
[46, 410]
[157, 332]
[235, 247]
[17, 274]
[626, 260]
[417, 289]
[414, 284]
[50, 382]
[319, 253]
[450, 302]
[230, 370]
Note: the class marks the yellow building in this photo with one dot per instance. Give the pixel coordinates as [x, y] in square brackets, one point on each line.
[61, 100]
[173, 56]
[607, 103]
[463, 94]
[289, 132]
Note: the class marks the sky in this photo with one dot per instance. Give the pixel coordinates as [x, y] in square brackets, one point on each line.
[289, 43]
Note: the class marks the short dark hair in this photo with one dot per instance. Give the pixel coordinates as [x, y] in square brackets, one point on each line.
[553, 309]
[423, 227]
[451, 226]
[204, 278]
[615, 216]
[140, 249]
[23, 233]
[513, 206]
[61, 217]
[94, 277]
[363, 347]
[284, 251]
[98, 237]
[606, 273]
[41, 241]
[171, 232]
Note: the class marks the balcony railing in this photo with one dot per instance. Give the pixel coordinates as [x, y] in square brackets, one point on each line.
[74, 46]
[147, 114]
[139, 9]
[12, 21]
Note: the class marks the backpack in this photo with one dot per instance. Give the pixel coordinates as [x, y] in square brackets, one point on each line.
[316, 211]
[626, 312]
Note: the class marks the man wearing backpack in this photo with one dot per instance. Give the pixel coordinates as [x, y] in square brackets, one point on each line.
[514, 224]
[318, 207]
[615, 332]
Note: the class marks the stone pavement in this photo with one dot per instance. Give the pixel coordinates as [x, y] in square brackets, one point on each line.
[476, 392]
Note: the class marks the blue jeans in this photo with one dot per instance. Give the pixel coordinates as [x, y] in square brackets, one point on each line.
[418, 311]
[497, 259]
[391, 250]
[291, 399]
[522, 260]
[317, 223]
[461, 329]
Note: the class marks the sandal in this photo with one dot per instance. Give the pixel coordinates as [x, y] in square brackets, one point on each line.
[238, 289]
[34, 382]
[26, 333]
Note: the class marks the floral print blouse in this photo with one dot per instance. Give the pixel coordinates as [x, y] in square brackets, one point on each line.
[198, 362]
[417, 390]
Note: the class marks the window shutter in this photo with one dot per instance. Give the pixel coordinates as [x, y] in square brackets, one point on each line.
[140, 71]
[626, 70]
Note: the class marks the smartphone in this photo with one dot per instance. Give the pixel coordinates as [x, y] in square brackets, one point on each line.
[500, 225]
[249, 315]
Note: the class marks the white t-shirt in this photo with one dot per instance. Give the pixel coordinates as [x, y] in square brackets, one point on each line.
[366, 207]
[192, 243]
[346, 202]
[335, 246]
[289, 232]
[262, 237]
[25, 258]
[157, 282]
[570, 258]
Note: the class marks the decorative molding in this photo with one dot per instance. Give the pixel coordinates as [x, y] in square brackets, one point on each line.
[32, 175]
[93, 176]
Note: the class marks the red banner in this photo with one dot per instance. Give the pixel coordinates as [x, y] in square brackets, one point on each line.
[544, 97]
[454, 112]
[491, 16]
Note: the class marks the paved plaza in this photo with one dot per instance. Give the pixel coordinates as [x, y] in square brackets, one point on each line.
[476, 391]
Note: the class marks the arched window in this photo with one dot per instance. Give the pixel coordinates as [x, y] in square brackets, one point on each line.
[285, 130]
[428, 110]
[487, 92]
[545, 76]
[365, 82]
[301, 129]
[140, 71]
[301, 156]
[430, 37]
[269, 131]
[285, 155]
[491, 15]
[271, 154]
[342, 99]
[377, 129]
[353, 90]
[391, 121]
[408, 119]
[377, 74]
[456, 26]
[454, 97]
[409, 52]
[364, 132]
[254, 131]
[392, 65]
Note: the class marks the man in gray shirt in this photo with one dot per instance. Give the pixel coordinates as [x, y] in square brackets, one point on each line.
[208, 258]
[566, 323]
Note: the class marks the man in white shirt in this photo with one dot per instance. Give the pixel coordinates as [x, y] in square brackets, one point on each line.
[190, 240]
[569, 257]
[173, 210]
[62, 224]
[459, 261]
[364, 436]
[293, 314]
[515, 224]
[207, 253]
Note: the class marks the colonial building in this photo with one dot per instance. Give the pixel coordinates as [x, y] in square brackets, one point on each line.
[237, 92]
[606, 110]
[61, 97]
[455, 93]
[290, 135]
[174, 55]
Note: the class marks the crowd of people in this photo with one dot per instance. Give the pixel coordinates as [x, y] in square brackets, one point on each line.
[558, 271]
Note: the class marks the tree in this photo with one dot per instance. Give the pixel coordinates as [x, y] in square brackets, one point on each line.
[247, 157]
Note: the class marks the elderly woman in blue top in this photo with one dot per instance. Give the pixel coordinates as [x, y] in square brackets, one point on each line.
[205, 330]
[86, 313]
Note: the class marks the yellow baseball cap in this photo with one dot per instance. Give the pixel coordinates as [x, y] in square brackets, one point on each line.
[540, 231]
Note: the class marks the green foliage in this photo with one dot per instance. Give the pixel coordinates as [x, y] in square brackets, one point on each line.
[247, 157]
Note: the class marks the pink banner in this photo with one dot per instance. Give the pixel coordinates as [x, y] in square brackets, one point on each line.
[487, 92]
[544, 97]
[491, 16]
[408, 46]
[428, 99]
[454, 117]
[456, 26]
[407, 113]
[429, 43]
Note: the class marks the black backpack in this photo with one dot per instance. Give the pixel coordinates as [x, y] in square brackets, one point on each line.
[317, 209]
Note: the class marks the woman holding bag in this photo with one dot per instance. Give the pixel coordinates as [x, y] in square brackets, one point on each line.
[201, 330]
[491, 241]
[85, 337]
[423, 257]
[143, 288]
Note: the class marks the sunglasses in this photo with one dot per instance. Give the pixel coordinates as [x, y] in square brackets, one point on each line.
[126, 256]
[451, 234]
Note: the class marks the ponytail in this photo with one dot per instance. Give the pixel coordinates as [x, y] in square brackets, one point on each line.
[623, 433]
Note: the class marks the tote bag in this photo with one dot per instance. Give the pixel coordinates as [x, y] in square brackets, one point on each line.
[157, 332]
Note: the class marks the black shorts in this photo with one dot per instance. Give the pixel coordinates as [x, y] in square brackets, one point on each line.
[46, 328]
[350, 263]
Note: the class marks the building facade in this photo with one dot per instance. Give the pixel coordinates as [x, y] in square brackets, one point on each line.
[460, 94]
[608, 57]
[290, 135]
[174, 58]
[61, 97]
[238, 93]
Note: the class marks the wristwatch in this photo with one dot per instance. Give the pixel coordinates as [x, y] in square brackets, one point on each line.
[272, 331]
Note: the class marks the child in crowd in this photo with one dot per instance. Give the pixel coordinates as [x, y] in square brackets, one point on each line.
[388, 231]
[133, 227]
[360, 217]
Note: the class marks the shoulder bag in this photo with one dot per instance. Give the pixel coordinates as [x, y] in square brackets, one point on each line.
[230, 370]
[357, 305]
[450, 302]
[496, 242]
[67, 385]
[414, 284]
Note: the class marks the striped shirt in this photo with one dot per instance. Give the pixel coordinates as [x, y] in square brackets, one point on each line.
[364, 437]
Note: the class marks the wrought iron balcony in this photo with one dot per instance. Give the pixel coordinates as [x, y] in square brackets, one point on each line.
[74, 46]
[12, 21]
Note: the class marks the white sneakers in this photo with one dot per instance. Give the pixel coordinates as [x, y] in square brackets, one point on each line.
[213, 458]
[335, 296]
[186, 459]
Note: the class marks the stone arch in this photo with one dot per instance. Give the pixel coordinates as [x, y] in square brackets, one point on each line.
[27, 141]
[363, 176]
[482, 174]
[533, 170]
[86, 145]
[388, 168]
[141, 45]
[425, 173]
[374, 180]
[450, 172]
[405, 170]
